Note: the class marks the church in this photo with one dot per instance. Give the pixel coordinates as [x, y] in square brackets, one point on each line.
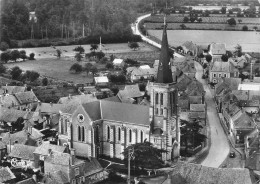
[106, 128]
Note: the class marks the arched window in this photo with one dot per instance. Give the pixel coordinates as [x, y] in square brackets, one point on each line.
[79, 133]
[156, 98]
[108, 132]
[97, 134]
[161, 98]
[130, 135]
[119, 134]
[83, 133]
[141, 136]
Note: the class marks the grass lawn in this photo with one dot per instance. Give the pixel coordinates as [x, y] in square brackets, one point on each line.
[55, 68]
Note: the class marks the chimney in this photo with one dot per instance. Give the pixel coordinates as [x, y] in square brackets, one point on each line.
[49, 152]
[72, 156]
[69, 97]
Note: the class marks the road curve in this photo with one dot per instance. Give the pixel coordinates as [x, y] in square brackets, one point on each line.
[136, 31]
[219, 148]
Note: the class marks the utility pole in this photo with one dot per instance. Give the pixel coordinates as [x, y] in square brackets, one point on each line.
[130, 155]
[100, 44]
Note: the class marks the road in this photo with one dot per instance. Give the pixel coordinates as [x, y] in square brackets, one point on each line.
[219, 148]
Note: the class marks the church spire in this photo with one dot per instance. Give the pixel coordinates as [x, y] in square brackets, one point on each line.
[164, 74]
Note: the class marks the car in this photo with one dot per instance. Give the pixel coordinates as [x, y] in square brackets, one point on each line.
[232, 154]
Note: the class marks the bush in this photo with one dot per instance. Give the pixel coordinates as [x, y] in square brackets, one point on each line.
[5, 56]
[79, 49]
[45, 81]
[245, 28]
[31, 56]
[77, 68]
[2, 68]
[4, 46]
[16, 73]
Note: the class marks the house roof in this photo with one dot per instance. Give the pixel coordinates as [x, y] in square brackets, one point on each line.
[49, 108]
[145, 67]
[92, 166]
[11, 115]
[189, 45]
[58, 177]
[58, 158]
[231, 108]
[197, 174]
[6, 174]
[36, 134]
[22, 151]
[102, 79]
[93, 110]
[244, 121]
[195, 88]
[219, 66]
[26, 97]
[141, 72]
[130, 91]
[20, 137]
[113, 99]
[43, 149]
[218, 48]
[9, 101]
[231, 83]
[249, 86]
[183, 82]
[136, 114]
[14, 89]
[197, 107]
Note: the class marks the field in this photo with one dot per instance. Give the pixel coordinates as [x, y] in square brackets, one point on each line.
[67, 51]
[201, 26]
[47, 64]
[249, 40]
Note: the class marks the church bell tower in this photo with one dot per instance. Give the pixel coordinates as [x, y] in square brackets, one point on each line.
[163, 105]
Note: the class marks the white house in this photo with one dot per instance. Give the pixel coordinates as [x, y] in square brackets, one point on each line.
[118, 62]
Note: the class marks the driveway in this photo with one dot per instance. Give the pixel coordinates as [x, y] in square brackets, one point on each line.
[219, 143]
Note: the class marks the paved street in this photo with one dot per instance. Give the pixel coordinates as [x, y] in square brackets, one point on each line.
[219, 144]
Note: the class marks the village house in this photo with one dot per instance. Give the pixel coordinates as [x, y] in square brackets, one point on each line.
[6, 175]
[21, 156]
[141, 73]
[11, 89]
[130, 94]
[101, 81]
[216, 50]
[219, 69]
[118, 63]
[189, 48]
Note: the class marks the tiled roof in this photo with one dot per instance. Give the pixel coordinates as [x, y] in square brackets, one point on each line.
[218, 48]
[9, 101]
[26, 97]
[11, 115]
[198, 174]
[188, 69]
[197, 107]
[240, 94]
[244, 121]
[14, 89]
[58, 177]
[219, 66]
[36, 134]
[21, 137]
[183, 82]
[130, 91]
[49, 108]
[93, 110]
[92, 166]
[227, 83]
[43, 149]
[189, 45]
[6, 174]
[197, 115]
[141, 72]
[22, 151]
[57, 158]
[113, 99]
[195, 88]
[123, 112]
[231, 109]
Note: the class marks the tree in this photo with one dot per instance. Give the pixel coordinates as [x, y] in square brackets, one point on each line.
[238, 50]
[208, 58]
[79, 49]
[109, 66]
[245, 28]
[78, 56]
[224, 10]
[231, 22]
[23, 54]
[58, 53]
[93, 47]
[6, 56]
[18, 124]
[31, 56]
[145, 155]
[239, 21]
[15, 54]
[183, 26]
[94, 70]
[100, 55]
[45, 81]
[77, 68]
[186, 19]
[255, 28]
[87, 67]
[229, 54]
[205, 65]
[2, 68]
[190, 134]
[16, 73]
[134, 45]
[200, 20]
[131, 62]
[4, 46]
[32, 75]
[224, 57]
